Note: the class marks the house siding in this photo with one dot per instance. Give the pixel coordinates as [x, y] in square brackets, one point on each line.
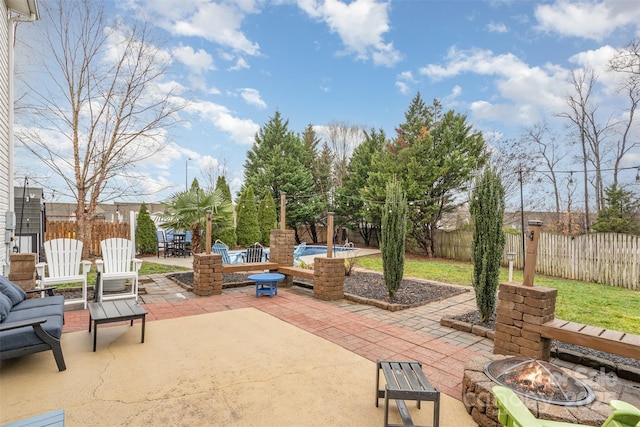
[6, 181]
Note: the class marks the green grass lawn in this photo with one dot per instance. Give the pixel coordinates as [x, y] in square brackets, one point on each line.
[589, 303]
[147, 268]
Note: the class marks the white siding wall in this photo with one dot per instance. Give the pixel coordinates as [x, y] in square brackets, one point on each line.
[6, 181]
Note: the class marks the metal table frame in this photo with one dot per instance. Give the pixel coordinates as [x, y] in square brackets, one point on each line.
[114, 311]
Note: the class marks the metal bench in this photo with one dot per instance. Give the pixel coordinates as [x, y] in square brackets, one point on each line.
[405, 381]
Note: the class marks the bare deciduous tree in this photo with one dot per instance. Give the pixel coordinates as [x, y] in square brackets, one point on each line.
[627, 61]
[99, 107]
[343, 139]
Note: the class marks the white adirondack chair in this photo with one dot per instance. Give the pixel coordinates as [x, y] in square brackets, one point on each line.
[64, 265]
[118, 262]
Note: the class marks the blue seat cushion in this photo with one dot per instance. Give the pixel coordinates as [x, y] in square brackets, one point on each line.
[26, 336]
[5, 306]
[13, 291]
[57, 300]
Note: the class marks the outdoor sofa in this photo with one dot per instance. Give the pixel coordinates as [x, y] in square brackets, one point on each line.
[30, 325]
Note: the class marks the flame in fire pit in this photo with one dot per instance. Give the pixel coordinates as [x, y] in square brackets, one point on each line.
[539, 380]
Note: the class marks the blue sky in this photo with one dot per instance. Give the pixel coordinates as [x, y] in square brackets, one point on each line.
[502, 63]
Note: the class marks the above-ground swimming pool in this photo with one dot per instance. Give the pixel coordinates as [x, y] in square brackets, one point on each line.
[322, 250]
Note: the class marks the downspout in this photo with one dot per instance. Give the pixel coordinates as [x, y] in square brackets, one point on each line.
[11, 35]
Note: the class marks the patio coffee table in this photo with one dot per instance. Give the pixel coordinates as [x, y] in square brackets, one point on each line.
[114, 311]
[266, 283]
[405, 381]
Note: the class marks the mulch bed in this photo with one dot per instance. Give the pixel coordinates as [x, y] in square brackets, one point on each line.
[366, 286]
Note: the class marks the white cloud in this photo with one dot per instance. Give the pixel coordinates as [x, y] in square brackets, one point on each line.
[240, 64]
[404, 82]
[241, 131]
[252, 97]
[360, 24]
[498, 27]
[197, 62]
[592, 20]
[219, 22]
[524, 91]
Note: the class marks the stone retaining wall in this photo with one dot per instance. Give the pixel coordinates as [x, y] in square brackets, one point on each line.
[518, 304]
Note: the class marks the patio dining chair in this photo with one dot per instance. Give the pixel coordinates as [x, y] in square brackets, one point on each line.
[255, 253]
[221, 249]
[118, 263]
[64, 265]
[163, 243]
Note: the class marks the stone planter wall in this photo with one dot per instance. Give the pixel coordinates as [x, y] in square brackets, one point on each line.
[328, 278]
[518, 304]
[207, 274]
[281, 251]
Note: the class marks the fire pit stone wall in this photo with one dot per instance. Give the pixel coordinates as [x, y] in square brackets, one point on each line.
[518, 304]
[480, 404]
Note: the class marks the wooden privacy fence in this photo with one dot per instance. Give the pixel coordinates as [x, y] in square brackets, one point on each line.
[607, 258]
[101, 231]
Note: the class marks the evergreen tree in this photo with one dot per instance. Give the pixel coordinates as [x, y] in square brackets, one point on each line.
[619, 215]
[351, 210]
[276, 163]
[146, 240]
[267, 218]
[393, 236]
[228, 234]
[248, 230]
[434, 156]
[487, 210]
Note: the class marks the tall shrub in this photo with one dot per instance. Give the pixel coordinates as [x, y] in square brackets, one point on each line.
[487, 210]
[228, 234]
[393, 234]
[267, 218]
[146, 242]
[247, 229]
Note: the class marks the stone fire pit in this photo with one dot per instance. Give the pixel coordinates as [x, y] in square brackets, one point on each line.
[479, 402]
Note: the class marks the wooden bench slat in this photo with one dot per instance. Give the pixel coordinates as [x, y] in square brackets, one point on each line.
[573, 327]
[631, 340]
[296, 272]
[249, 266]
[609, 341]
[612, 335]
[593, 330]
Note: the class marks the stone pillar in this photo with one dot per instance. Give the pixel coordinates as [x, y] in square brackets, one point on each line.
[328, 278]
[281, 251]
[518, 304]
[207, 274]
[23, 270]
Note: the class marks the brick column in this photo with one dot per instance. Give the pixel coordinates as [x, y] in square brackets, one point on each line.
[328, 278]
[207, 274]
[23, 270]
[518, 304]
[281, 251]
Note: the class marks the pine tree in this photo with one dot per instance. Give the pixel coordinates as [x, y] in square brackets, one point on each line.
[619, 215]
[146, 241]
[267, 217]
[487, 210]
[393, 235]
[248, 230]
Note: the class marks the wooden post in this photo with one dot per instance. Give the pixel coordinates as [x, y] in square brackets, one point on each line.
[329, 234]
[208, 232]
[283, 209]
[533, 234]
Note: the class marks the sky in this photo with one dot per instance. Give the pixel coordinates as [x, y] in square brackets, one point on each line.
[504, 64]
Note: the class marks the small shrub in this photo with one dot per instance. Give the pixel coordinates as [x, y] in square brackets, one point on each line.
[146, 241]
